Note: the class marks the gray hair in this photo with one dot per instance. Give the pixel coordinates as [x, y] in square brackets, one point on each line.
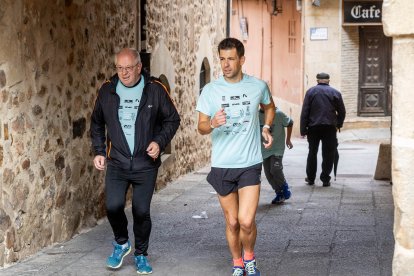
[132, 51]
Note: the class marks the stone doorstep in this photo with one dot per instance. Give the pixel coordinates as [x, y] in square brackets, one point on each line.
[367, 122]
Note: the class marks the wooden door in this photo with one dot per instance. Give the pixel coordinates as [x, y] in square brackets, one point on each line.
[374, 72]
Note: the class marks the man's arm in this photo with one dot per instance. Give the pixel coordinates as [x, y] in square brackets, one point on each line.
[206, 125]
[304, 116]
[97, 129]
[341, 112]
[170, 119]
[269, 115]
[288, 136]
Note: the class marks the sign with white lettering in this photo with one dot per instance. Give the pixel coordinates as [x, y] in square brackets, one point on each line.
[362, 12]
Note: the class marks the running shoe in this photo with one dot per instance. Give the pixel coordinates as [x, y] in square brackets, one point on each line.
[251, 268]
[115, 260]
[142, 265]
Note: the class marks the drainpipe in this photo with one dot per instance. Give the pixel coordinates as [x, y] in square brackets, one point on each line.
[228, 18]
[271, 53]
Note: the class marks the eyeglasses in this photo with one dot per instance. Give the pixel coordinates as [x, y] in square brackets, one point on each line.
[121, 69]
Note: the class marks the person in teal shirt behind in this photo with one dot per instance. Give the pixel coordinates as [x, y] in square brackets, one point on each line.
[273, 156]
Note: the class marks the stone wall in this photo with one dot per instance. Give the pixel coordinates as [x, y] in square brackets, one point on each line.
[189, 31]
[54, 55]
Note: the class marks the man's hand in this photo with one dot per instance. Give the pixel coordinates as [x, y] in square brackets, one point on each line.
[219, 118]
[153, 150]
[99, 162]
[268, 139]
[289, 144]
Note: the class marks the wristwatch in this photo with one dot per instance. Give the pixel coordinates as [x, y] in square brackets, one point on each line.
[266, 126]
[211, 124]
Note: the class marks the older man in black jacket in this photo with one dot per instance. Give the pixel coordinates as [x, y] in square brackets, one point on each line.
[323, 112]
[134, 119]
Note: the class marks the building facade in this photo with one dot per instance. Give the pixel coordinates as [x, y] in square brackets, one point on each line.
[272, 34]
[290, 41]
[346, 39]
[368, 49]
[54, 56]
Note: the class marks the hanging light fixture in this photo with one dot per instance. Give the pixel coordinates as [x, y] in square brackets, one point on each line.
[276, 7]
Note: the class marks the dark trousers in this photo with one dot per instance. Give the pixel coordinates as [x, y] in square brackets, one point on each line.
[117, 182]
[326, 134]
[273, 168]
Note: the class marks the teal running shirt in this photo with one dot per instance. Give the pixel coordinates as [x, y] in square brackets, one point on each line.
[280, 122]
[237, 143]
[128, 108]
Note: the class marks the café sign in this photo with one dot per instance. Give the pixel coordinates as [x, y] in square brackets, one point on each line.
[362, 12]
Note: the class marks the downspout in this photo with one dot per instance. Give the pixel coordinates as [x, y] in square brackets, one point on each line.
[228, 18]
[304, 44]
[271, 54]
[262, 55]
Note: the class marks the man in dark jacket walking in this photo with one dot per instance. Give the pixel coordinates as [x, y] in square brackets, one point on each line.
[323, 112]
[133, 120]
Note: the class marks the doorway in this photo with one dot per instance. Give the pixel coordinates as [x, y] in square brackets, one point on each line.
[374, 96]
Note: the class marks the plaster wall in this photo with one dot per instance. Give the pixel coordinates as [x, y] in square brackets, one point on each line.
[322, 55]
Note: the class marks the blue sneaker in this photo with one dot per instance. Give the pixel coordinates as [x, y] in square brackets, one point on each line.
[278, 199]
[238, 271]
[142, 265]
[286, 191]
[115, 260]
[251, 268]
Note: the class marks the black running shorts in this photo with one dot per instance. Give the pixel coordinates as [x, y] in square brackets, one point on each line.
[228, 180]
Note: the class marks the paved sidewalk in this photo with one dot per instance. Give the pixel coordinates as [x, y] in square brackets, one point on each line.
[345, 229]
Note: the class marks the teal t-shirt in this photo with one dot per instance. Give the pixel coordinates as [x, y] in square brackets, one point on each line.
[128, 108]
[280, 122]
[237, 143]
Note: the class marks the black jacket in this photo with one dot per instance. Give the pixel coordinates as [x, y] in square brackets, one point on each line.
[323, 106]
[157, 120]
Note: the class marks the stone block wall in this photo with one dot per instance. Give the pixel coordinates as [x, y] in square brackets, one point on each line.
[398, 23]
[190, 30]
[54, 55]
